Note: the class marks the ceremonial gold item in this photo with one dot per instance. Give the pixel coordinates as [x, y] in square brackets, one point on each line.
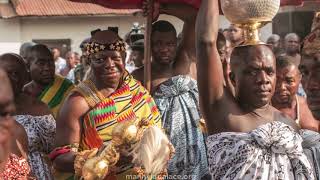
[250, 15]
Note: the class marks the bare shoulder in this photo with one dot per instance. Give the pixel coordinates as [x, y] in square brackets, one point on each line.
[307, 121]
[302, 100]
[75, 104]
[281, 117]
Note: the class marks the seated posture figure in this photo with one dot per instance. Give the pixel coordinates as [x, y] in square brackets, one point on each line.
[33, 115]
[109, 97]
[248, 138]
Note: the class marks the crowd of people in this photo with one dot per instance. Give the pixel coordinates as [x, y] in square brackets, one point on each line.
[227, 110]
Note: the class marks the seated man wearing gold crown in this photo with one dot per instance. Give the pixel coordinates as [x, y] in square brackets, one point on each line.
[97, 105]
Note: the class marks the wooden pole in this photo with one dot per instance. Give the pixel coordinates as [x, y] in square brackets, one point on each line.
[147, 48]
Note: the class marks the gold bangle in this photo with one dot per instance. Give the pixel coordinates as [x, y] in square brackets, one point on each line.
[81, 159]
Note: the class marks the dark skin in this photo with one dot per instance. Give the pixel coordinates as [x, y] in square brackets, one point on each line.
[137, 58]
[168, 58]
[292, 47]
[254, 80]
[107, 69]
[284, 99]
[8, 140]
[42, 70]
[274, 41]
[17, 73]
[310, 69]
[10, 64]
[235, 35]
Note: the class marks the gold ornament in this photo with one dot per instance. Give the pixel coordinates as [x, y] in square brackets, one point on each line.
[250, 15]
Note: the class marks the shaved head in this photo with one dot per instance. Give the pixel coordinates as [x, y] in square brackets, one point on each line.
[253, 74]
[241, 54]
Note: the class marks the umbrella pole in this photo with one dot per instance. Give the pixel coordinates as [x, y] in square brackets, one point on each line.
[147, 48]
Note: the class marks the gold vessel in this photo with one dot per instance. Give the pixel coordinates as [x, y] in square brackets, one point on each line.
[250, 15]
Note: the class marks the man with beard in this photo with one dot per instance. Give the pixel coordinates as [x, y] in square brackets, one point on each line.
[175, 91]
[292, 48]
[97, 105]
[248, 138]
[12, 166]
[45, 85]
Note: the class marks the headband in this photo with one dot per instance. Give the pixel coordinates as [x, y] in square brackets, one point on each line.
[95, 47]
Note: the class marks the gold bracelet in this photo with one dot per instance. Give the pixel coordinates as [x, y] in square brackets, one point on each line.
[81, 159]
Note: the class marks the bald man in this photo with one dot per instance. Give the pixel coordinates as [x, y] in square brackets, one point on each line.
[292, 48]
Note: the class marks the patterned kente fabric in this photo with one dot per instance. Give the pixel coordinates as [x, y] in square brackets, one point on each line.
[131, 102]
[272, 151]
[16, 169]
[178, 102]
[55, 93]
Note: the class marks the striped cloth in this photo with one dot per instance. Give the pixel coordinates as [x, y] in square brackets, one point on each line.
[131, 102]
[55, 93]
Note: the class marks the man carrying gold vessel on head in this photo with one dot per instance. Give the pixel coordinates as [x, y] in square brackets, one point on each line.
[105, 110]
[248, 138]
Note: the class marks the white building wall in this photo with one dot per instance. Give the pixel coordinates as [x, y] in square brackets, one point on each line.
[10, 35]
[13, 32]
[74, 28]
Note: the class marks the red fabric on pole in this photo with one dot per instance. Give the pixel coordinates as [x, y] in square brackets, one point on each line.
[137, 4]
[296, 2]
[291, 2]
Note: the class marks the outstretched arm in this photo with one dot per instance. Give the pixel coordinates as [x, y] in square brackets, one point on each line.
[209, 66]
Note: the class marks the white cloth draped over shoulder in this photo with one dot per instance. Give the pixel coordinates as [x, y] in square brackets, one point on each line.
[272, 151]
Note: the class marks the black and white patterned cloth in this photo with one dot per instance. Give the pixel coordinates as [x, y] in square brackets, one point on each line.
[272, 151]
[311, 148]
[178, 102]
[41, 133]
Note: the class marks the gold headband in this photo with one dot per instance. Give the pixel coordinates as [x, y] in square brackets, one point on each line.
[95, 47]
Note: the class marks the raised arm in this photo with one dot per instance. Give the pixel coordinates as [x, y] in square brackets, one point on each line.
[186, 51]
[209, 66]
